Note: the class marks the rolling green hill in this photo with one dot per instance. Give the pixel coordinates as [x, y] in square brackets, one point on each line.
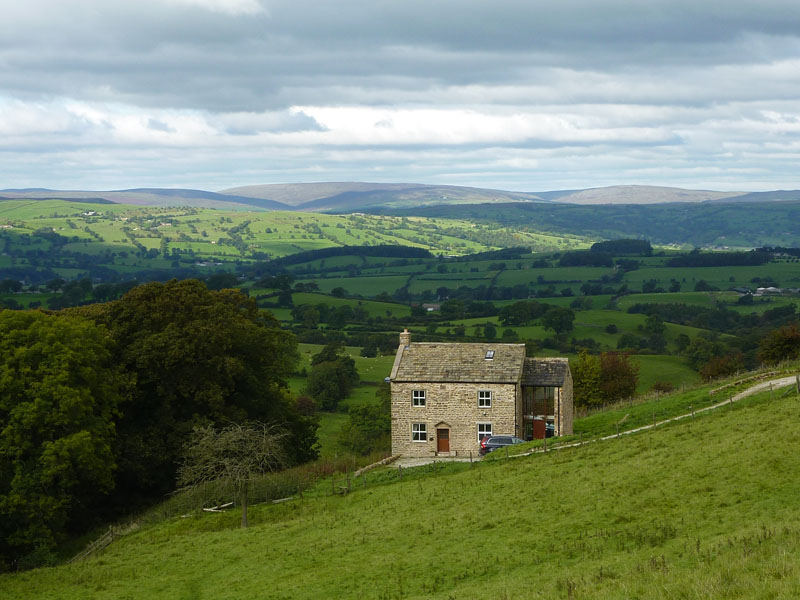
[701, 508]
[735, 225]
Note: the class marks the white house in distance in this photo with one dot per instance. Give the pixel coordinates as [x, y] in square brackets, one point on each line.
[447, 396]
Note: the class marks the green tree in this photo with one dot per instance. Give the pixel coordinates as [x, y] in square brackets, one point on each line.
[682, 342]
[58, 399]
[452, 309]
[332, 376]
[780, 344]
[701, 350]
[609, 377]
[221, 281]
[587, 380]
[560, 319]
[368, 427]
[654, 325]
[194, 357]
[55, 284]
[418, 311]
[9, 286]
[722, 366]
[619, 375]
[629, 341]
[232, 457]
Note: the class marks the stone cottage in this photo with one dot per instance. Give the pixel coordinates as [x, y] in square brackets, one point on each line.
[446, 397]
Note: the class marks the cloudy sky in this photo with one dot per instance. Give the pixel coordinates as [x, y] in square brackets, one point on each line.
[520, 94]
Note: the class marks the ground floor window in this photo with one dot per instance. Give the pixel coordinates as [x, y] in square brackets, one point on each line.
[484, 430]
[419, 432]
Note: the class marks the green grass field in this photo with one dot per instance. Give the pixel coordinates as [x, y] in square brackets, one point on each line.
[375, 309]
[701, 508]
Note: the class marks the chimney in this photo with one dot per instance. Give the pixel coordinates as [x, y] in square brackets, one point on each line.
[405, 338]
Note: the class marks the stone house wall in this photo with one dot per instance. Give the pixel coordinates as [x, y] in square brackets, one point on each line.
[567, 414]
[456, 405]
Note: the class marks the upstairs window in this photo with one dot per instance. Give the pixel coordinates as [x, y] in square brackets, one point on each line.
[484, 399]
[418, 398]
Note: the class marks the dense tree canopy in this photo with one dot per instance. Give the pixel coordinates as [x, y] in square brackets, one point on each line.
[624, 246]
[605, 378]
[58, 400]
[780, 344]
[332, 376]
[194, 357]
[560, 319]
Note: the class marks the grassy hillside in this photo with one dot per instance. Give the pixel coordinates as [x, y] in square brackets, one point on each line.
[734, 225]
[702, 508]
[125, 238]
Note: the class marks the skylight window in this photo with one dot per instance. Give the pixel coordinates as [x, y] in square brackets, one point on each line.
[489, 354]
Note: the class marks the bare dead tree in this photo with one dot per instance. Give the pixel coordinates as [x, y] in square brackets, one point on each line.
[232, 456]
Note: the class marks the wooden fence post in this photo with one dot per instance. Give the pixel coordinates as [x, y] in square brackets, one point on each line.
[617, 430]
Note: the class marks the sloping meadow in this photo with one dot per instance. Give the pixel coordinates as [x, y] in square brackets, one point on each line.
[700, 508]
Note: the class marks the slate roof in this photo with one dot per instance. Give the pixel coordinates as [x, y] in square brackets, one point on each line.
[545, 371]
[458, 363]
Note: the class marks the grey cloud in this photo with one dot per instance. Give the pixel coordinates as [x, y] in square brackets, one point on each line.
[157, 125]
[716, 81]
[167, 55]
[275, 122]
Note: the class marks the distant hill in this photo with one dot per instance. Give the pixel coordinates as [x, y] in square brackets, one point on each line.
[351, 196]
[643, 194]
[347, 196]
[357, 196]
[148, 197]
[776, 196]
[295, 194]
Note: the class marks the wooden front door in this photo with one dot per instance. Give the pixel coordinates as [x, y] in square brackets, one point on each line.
[443, 440]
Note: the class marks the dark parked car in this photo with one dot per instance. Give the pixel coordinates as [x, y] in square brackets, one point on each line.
[492, 443]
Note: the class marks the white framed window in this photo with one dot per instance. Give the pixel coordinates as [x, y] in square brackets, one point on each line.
[419, 432]
[418, 398]
[484, 430]
[484, 399]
